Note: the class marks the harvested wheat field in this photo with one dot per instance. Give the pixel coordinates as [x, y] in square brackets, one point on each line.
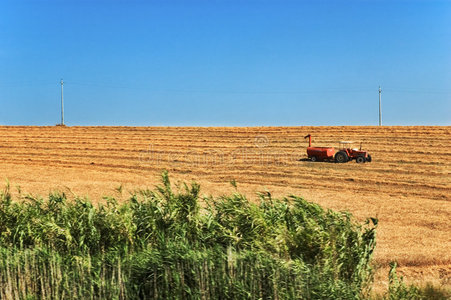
[407, 186]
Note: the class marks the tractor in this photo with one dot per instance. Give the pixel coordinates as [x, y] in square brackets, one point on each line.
[345, 153]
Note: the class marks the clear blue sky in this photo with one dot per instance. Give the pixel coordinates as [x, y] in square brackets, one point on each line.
[225, 62]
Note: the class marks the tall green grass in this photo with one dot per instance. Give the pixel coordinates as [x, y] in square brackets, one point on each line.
[173, 244]
[398, 290]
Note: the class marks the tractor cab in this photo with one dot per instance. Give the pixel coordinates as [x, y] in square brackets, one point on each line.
[347, 152]
[345, 145]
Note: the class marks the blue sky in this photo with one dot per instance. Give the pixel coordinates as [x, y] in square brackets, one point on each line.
[225, 62]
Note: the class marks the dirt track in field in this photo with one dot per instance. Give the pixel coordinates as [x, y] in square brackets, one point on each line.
[407, 186]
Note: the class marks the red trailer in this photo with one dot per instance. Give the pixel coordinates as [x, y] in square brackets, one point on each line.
[319, 153]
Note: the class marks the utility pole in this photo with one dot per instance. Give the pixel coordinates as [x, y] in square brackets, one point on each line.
[380, 108]
[62, 103]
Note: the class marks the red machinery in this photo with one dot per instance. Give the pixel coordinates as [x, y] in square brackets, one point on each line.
[345, 154]
[348, 153]
[319, 153]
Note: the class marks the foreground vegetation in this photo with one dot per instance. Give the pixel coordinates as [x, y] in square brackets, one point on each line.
[163, 244]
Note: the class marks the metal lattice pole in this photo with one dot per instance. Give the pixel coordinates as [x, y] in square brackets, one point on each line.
[380, 107]
[62, 103]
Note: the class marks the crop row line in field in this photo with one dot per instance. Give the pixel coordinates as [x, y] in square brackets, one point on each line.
[254, 163]
[162, 158]
[365, 189]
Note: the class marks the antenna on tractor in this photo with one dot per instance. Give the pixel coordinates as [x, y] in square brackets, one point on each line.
[62, 103]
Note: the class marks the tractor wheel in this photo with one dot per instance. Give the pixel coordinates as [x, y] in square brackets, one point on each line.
[368, 159]
[314, 158]
[360, 159]
[341, 157]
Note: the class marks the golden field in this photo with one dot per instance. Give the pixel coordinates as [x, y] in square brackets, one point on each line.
[407, 186]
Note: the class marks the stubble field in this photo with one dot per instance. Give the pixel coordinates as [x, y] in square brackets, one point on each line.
[407, 186]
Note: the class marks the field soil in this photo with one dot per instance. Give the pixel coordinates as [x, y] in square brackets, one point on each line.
[407, 186]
